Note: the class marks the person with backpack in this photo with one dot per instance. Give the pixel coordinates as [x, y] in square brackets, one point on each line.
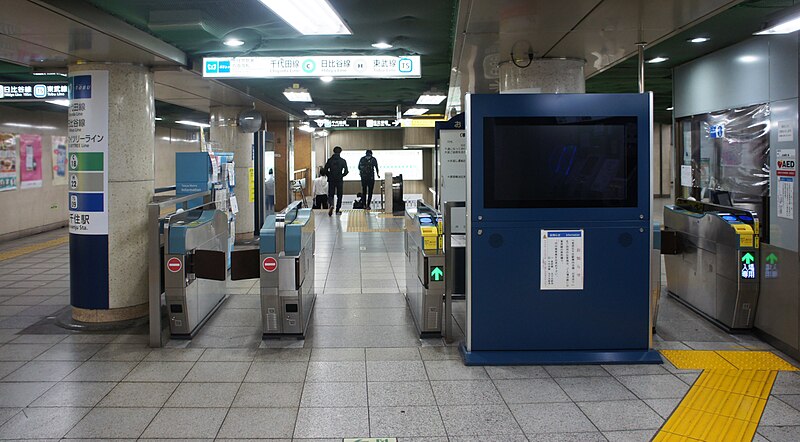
[368, 168]
[336, 170]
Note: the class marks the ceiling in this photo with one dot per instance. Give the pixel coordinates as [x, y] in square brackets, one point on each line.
[414, 27]
[472, 36]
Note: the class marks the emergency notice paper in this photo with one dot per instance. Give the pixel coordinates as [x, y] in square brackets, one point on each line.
[562, 260]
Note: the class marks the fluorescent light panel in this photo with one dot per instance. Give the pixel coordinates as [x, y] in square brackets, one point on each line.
[315, 112]
[309, 17]
[699, 40]
[785, 27]
[64, 102]
[233, 42]
[193, 123]
[431, 99]
[657, 60]
[381, 45]
[306, 128]
[415, 111]
[297, 95]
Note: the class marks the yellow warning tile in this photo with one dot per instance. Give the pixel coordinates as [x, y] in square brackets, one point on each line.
[697, 360]
[20, 251]
[756, 360]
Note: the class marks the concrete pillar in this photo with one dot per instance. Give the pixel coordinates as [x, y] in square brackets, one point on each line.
[227, 134]
[543, 76]
[111, 149]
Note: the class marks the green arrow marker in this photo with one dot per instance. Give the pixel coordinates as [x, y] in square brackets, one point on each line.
[772, 259]
[437, 273]
[747, 258]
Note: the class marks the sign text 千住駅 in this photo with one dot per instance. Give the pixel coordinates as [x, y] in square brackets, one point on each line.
[350, 66]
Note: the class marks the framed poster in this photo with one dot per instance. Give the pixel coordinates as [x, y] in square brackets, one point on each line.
[59, 151]
[8, 161]
[30, 161]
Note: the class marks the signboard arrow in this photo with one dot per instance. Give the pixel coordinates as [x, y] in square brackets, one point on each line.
[437, 273]
[747, 258]
[772, 259]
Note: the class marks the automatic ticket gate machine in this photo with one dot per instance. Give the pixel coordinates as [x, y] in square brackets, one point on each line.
[195, 268]
[284, 263]
[711, 259]
[425, 259]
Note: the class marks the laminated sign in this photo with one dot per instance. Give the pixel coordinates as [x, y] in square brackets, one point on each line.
[562, 260]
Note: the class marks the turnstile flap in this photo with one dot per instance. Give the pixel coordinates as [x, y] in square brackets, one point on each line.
[208, 264]
[245, 264]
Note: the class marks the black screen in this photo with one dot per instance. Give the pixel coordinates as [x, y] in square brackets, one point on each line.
[538, 162]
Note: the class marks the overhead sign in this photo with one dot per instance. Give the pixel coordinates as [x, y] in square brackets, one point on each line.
[34, 91]
[347, 66]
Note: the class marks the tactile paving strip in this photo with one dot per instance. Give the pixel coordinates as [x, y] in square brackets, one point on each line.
[359, 221]
[727, 400]
[20, 251]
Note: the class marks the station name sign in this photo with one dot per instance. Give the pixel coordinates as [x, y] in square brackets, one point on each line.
[34, 91]
[343, 66]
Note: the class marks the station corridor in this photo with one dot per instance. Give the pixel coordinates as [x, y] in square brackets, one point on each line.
[362, 370]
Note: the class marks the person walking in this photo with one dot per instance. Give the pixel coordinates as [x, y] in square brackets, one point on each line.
[335, 170]
[269, 190]
[321, 190]
[368, 168]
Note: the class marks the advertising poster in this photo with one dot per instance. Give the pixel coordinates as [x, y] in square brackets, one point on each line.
[30, 161]
[87, 153]
[8, 161]
[59, 145]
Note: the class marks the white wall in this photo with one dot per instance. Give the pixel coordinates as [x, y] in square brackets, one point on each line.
[28, 211]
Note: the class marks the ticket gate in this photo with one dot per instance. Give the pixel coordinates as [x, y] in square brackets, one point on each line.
[425, 281]
[195, 268]
[711, 255]
[284, 263]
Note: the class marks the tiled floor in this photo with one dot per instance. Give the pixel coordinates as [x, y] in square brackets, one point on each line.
[361, 371]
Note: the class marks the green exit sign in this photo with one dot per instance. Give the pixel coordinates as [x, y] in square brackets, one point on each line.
[437, 274]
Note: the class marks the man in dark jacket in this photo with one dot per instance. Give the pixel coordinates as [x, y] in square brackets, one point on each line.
[368, 168]
[336, 168]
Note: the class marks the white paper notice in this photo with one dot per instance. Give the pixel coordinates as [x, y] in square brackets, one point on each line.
[562, 260]
[234, 205]
[686, 176]
[786, 197]
[785, 131]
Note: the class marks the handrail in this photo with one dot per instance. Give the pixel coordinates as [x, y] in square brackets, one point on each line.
[165, 189]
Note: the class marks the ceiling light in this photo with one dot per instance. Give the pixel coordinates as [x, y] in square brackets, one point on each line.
[297, 94]
[326, 79]
[60, 74]
[309, 17]
[658, 60]
[233, 42]
[699, 40]
[785, 27]
[431, 99]
[306, 128]
[415, 111]
[670, 108]
[748, 59]
[315, 112]
[193, 123]
[321, 133]
[159, 118]
[64, 103]
[381, 45]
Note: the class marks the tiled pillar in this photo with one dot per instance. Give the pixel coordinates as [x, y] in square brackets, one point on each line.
[227, 134]
[111, 148]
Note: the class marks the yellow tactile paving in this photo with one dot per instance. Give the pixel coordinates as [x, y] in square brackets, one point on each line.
[360, 221]
[20, 251]
[728, 398]
[697, 360]
[756, 360]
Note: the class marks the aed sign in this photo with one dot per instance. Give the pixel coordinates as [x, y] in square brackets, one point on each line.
[786, 167]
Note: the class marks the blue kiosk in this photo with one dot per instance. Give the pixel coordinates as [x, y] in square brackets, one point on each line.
[559, 229]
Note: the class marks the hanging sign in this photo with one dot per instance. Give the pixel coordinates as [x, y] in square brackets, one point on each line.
[87, 153]
[349, 66]
[12, 92]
